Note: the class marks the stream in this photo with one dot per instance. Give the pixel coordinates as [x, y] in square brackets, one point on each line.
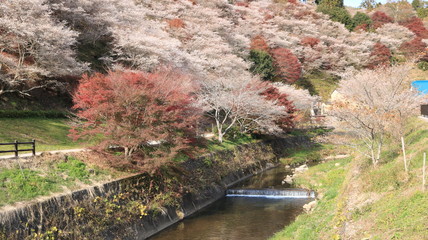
[254, 209]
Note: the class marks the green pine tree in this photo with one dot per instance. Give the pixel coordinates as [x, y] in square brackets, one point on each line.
[331, 3]
[361, 18]
[262, 64]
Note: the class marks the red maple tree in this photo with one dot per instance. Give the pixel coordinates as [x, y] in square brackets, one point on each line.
[259, 43]
[413, 47]
[242, 4]
[416, 25]
[380, 56]
[309, 41]
[176, 23]
[273, 94]
[287, 66]
[136, 110]
[380, 18]
[362, 27]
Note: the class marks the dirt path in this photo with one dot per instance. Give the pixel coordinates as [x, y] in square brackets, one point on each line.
[27, 155]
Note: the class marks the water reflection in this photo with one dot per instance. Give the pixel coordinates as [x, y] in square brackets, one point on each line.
[240, 217]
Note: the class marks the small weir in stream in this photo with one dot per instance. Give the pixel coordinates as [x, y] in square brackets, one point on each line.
[255, 209]
[271, 193]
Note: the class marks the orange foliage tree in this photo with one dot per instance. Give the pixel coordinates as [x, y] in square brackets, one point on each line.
[176, 23]
[380, 18]
[416, 25]
[413, 47]
[309, 41]
[259, 43]
[288, 66]
[380, 56]
[281, 99]
[137, 110]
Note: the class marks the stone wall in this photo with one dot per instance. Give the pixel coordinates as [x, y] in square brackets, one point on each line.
[208, 177]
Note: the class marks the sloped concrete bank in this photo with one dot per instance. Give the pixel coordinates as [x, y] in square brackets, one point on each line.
[112, 210]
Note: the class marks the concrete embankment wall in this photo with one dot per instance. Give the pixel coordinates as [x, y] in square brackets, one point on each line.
[227, 168]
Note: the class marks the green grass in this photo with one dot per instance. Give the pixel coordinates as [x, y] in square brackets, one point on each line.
[50, 134]
[309, 154]
[17, 185]
[214, 145]
[319, 83]
[401, 217]
[396, 216]
[327, 179]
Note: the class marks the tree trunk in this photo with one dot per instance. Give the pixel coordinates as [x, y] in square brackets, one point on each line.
[220, 137]
[127, 152]
[219, 130]
[373, 157]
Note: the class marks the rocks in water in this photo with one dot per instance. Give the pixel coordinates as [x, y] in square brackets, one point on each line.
[301, 169]
[288, 179]
[309, 207]
[270, 165]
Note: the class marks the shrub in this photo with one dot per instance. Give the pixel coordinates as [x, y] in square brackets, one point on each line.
[423, 65]
[422, 12]
[331, 3]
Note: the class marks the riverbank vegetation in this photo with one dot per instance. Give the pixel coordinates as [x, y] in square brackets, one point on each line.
[144, 196]
[327, 179]
[359, 200]
[25, 180]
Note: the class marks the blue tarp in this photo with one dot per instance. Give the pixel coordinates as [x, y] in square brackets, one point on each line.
[421, 86]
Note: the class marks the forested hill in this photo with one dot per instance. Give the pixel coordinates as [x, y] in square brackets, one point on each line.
[49, 44]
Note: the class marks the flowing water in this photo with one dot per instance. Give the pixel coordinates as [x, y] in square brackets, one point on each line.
[254, 209]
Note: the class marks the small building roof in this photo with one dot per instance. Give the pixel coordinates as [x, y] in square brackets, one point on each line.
[421, 86]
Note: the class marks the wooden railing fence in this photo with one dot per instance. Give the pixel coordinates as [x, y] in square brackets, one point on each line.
[16, 145]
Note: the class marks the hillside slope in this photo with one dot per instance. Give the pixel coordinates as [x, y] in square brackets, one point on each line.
[358, 201]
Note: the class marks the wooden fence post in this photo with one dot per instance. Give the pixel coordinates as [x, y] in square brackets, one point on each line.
[423, 172]
[404, 155]
[16, 149]
[34, 147]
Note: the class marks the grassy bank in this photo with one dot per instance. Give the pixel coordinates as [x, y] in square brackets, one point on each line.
[40, 178]
[360, 201]
[397, 208]
[327, 180]
[49, 133]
